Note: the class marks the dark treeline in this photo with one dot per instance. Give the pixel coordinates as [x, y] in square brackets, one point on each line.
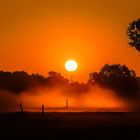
[20, 81]
[116, 77]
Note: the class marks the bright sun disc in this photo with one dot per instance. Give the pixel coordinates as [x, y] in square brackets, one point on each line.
[71, 65]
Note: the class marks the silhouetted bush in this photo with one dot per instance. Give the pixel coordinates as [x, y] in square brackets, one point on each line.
[117, 77]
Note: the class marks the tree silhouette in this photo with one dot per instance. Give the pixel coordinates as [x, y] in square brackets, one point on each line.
[117, 77]
[133, 32]
[20, 81]
[16, 82]
[37, 79]
[78, 88]
[56, 79]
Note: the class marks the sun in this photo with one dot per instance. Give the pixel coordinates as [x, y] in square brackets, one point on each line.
[71, 65]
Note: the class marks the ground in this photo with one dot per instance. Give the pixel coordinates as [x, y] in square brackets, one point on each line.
[68, 125]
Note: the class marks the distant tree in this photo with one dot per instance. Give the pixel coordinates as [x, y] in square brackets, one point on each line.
[37, 79]
[20, 81]
[133, 32]
[56, 79]
[5, 79]
[117, 77]
[94, 77]
[77, 88]
[17, 81]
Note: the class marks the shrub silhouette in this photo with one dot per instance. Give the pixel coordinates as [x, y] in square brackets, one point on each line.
[117, 77]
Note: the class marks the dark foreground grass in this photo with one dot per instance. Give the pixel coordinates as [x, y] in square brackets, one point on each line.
[86, 125]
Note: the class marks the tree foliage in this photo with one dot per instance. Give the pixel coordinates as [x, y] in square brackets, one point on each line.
[56, 79]
[20, 81]
[117, 77]
[133, 32]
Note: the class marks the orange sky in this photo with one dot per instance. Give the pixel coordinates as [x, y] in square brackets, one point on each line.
[40, 35]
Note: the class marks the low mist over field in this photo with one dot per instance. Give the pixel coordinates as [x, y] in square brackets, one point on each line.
[115, 86]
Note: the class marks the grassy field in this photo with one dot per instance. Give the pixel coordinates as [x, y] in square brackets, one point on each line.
[68, 125]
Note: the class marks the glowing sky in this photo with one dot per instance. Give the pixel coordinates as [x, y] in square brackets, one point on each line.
[40, 35]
